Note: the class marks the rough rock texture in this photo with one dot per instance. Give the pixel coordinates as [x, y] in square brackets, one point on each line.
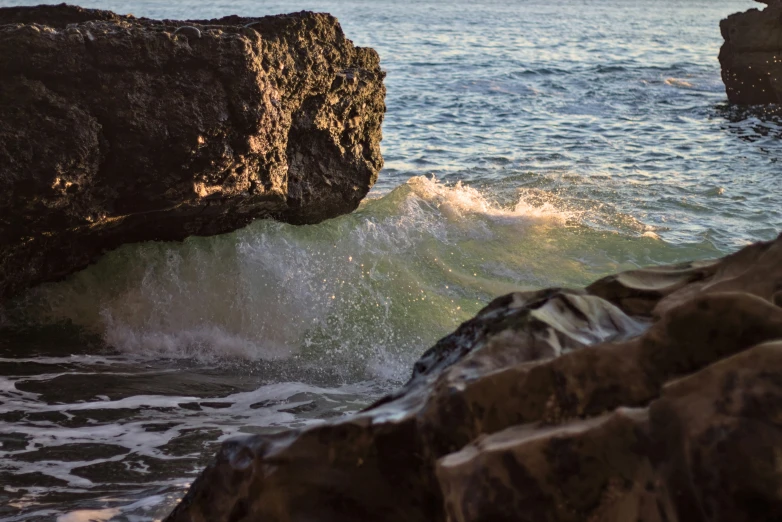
[751, 56]
[115, 129]
[651, 396]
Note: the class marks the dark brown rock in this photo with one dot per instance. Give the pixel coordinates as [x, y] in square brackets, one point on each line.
[751, 56]
[115, 129]
[706, 450]
[593, 470]
[521, 414]
[719, 433]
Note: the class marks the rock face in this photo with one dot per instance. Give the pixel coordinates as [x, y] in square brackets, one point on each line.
[651, 396]
[751, 56]
[115, 129]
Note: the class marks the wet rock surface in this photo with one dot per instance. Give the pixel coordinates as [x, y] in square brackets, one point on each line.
[751, 56]
[115, 129]
[653, 395]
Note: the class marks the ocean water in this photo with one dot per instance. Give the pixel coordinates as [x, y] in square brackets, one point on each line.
[528, 143]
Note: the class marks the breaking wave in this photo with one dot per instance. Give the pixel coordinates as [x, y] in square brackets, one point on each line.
[362, 294]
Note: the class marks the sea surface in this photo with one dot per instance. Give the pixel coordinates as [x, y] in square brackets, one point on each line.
[528, 143]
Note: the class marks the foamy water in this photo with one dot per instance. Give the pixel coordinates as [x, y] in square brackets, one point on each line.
[364, 291]
[527, 144]
[136, 452]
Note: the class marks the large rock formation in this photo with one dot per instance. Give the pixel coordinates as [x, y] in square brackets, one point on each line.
[115, 129]
[651, 396]
[751, 56]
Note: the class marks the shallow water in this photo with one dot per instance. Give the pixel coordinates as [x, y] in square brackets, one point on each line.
[527, 144]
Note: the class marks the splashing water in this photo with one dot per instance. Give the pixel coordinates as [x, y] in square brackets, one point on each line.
[365, 290]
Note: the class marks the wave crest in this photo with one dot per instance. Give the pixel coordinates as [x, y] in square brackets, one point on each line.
[366, 292]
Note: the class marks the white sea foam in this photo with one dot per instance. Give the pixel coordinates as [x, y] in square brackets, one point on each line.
[268, 406]
[457, 201]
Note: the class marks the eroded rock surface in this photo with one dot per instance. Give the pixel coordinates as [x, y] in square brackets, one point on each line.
[751, 56]
[115, 129]
[654, 395]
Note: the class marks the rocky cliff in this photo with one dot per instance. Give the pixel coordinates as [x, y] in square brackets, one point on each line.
[650, 396]
[751, 56]
[115, 129]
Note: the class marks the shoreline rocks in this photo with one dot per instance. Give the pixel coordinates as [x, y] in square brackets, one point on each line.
[751, 57]
[116, 129]
[653, 395]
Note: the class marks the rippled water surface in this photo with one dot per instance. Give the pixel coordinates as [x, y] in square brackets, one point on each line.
[527, 144]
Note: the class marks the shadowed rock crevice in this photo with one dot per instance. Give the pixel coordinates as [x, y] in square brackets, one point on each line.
[115, 129]
[652, 396]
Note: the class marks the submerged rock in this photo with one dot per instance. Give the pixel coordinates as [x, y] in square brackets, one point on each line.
[115, 129]
[653, 395]
[751, 56]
